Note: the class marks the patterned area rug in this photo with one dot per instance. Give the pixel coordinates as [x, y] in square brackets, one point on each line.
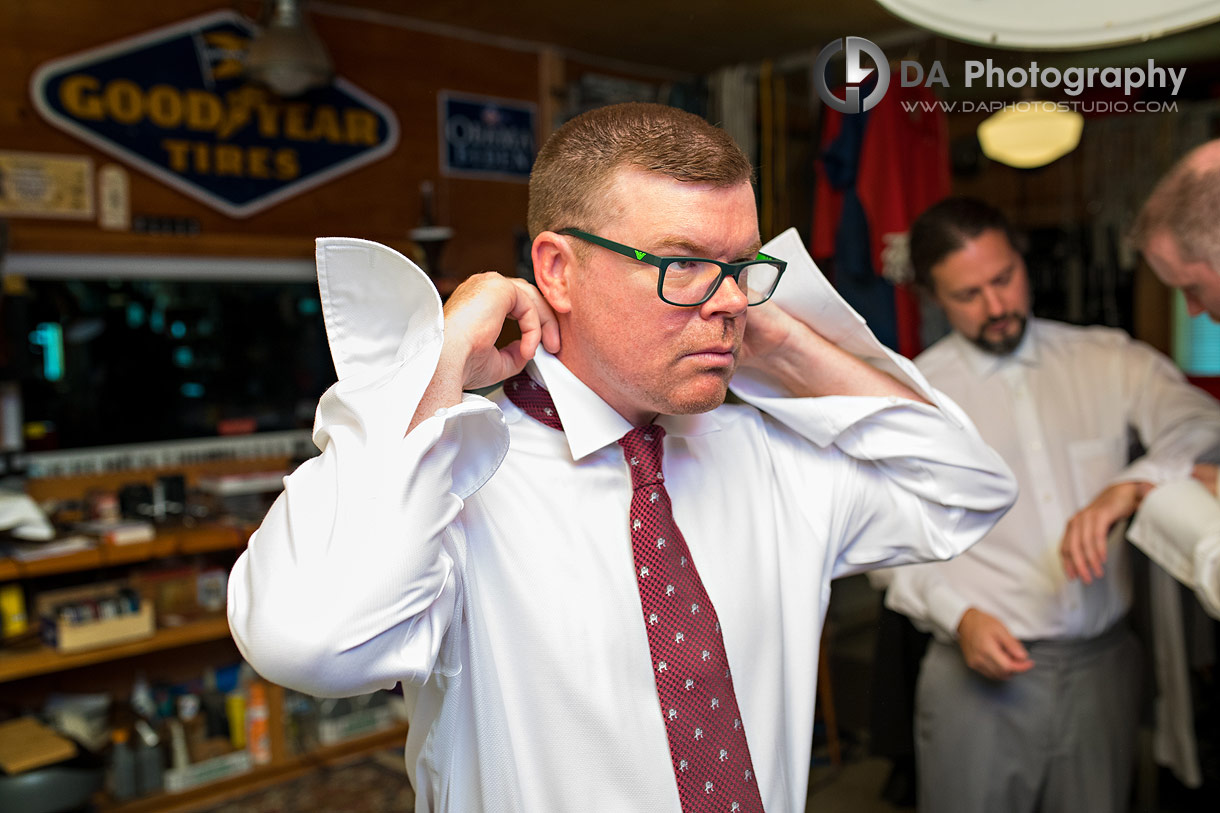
[373, 784]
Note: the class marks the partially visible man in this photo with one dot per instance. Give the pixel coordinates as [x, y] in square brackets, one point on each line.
[602, 588]
[1178, 229]
[1027, 696]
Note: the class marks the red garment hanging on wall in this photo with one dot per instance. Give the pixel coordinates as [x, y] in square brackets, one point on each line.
[904, 169]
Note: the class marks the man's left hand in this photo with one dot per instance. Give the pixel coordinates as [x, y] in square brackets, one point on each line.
[806, 363]
[768, 328]
[1083, 549]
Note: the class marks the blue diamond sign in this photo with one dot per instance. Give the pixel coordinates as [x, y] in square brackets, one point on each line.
[174, 103]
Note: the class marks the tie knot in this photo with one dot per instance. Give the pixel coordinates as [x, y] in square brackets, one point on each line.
[642, 448]
[533, 400]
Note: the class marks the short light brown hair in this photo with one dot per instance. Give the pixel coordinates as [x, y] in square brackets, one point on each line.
[573, 172]
[1186, 202]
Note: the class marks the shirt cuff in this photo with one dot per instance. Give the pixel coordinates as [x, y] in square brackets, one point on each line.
[805, 293]
[478, 428]
[820, 419]
[1173, 523]
[1207, 572]
[1153, 471]
[378, 306]
[945, 610]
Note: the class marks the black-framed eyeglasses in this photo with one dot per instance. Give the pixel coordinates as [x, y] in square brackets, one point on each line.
[690, 281]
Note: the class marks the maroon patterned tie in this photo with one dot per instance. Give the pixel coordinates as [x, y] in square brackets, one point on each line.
[707, 741]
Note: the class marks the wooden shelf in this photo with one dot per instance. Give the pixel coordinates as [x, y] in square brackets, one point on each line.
[29, 667]
[64, 238]
[260, 777]
[181, 541]
[17, 664]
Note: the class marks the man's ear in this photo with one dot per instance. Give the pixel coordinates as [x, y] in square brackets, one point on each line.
[1200, 268]
[554, 264]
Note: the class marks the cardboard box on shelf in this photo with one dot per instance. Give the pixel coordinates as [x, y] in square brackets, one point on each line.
[119, 531]
[91, 616]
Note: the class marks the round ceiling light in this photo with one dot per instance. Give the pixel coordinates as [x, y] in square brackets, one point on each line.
[1030, 134]
[1053, 24]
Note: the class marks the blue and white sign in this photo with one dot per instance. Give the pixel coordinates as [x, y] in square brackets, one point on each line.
[487, 138]
[174, 103]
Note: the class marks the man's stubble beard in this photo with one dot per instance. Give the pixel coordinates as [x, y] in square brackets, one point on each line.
[732, 330]
[1006, 345]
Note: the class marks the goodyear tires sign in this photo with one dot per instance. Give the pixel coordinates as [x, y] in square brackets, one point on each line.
[174, 103]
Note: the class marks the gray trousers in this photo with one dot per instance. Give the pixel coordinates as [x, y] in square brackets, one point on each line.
[1059, 738]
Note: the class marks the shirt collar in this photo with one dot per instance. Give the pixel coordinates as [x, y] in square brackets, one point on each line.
[589, 423]
[983, 364]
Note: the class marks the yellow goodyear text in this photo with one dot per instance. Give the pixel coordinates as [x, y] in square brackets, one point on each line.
[170, 108]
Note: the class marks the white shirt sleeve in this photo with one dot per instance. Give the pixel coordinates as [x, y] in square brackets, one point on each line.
[922, 594]
[929, 477]
[924, 485]
[1178, 527]
[1176, 422]
[350, 584]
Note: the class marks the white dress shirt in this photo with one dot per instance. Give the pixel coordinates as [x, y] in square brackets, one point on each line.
[484, 559]
[1058, 411]
[1178, 527]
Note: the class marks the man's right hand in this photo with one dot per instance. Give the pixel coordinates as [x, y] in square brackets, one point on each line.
[1083, 549]
[474, 316]
[989, 648]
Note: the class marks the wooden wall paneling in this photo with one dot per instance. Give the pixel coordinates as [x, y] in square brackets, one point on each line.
[407, 70]
[550, 91]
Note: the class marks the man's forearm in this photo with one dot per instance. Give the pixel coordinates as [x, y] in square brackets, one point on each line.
[445, 389]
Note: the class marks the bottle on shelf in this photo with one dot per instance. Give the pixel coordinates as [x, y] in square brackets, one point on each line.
[142, 701]
[235, 711]
[180, 755]
[258, 733]
[122, 766]
[193, 725]
[150, 760]
[216, 722]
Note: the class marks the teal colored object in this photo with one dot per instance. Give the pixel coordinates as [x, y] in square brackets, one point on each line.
[1196, 340]
[50, 337]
